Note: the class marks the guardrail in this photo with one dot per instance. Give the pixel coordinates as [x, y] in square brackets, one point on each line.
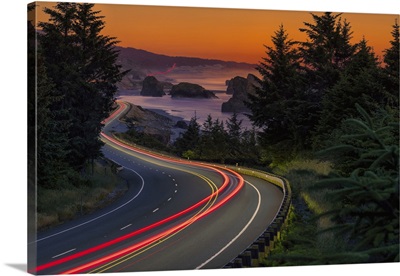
[262, 246]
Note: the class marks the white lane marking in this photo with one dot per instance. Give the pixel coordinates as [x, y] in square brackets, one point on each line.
[66, 252]
[155, 210]
[240, 233]
[96, 218]
[125, 227]
[169, 199]
[176, 191]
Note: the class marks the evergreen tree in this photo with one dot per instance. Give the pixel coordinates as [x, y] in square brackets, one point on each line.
[47, 138]
[250, 149]
[391, 68]
[51, 135]
[190, 140]
[82, 65]
[234, 137]
[279, 106]
[219, 139]
[365, 192]
[360, 82]
[213, 141]
[206, 148]
[326, 52]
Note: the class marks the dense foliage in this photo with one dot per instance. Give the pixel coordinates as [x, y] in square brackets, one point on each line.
[308, 88]
[215, 142]
[77, 75]
[326, 94]
[365, 191]
[284, 111]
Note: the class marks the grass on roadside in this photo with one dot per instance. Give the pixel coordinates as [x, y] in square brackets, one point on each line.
[302, 242]
[70, 201]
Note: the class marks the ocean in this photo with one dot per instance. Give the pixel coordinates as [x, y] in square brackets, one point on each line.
[212, 78]
[184, 108]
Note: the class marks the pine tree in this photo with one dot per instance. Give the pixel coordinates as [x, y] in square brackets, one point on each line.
[51, 138]
[360, 82]
[234, 137]
[213, 141]
[279, 106]
[250, 147]
[366, 191]
[219, 139]
[82, 65]
[47, 136]
[391, 68]
[326, 52]
[189, 141]
[206, 148]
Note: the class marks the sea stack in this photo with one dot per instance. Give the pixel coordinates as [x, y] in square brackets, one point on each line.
[191, 90]
[152, 87]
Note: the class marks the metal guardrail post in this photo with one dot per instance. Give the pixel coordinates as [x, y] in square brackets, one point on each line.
[272, 234]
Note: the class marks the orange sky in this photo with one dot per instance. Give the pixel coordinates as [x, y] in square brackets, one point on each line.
[227, 34]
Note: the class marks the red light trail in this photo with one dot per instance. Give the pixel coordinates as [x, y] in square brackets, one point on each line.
[169, 231]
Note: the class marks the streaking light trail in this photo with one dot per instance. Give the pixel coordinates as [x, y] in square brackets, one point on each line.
[166, 231]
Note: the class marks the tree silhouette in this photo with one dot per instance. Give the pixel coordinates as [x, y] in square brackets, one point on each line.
[82, 64]
[279, 106]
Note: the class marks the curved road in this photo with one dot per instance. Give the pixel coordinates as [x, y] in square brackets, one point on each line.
[175, 215]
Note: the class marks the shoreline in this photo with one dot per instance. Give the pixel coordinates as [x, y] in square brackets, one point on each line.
[164, 113]
[184, 109]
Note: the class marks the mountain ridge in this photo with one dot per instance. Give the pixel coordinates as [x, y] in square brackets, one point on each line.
[174, 69]
[151, 59]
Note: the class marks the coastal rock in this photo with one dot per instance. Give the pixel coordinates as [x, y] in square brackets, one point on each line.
[252, 83]
[152, 87]
[149, 122]
[190, 90]
[239, 87]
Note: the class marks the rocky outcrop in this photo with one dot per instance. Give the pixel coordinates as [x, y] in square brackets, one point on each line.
[252, 83]
[191, 90]
[239, 87]
[149, 122]
[152, 87]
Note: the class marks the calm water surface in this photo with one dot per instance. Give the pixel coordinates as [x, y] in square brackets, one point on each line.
[184, 108]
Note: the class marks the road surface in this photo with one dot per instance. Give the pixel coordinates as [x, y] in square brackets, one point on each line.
[175, 215]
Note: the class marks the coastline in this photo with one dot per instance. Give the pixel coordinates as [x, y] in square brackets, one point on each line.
[184, 109]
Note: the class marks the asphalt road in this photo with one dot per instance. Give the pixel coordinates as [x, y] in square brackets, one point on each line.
[175, 215]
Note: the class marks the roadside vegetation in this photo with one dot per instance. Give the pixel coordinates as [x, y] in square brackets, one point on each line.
[146, 140]
[325, 116]
[76, 71]
[93, 190]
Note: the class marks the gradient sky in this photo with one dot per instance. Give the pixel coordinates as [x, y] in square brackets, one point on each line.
[218, 33]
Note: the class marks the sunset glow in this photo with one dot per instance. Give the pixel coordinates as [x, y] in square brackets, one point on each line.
[218, 33]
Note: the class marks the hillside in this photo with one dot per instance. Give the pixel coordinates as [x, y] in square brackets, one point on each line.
[174, 69]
